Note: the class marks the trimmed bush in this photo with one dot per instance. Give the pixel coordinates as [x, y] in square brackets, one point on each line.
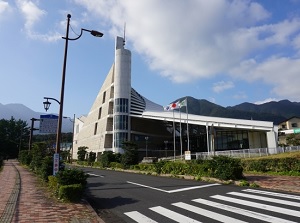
[71, 176]
[71, 193]
[226, 168]
[286, 165]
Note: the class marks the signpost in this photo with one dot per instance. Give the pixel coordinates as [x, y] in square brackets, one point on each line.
[187, 155]
[55, 163]
[48, 123]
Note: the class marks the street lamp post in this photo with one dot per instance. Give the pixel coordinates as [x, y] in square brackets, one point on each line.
[61, 106]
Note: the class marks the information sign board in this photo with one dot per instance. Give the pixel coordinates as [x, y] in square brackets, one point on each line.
[187, 155]
[48, 123]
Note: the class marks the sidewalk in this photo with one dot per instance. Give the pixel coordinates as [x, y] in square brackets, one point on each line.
[280, 183]
[23, 201]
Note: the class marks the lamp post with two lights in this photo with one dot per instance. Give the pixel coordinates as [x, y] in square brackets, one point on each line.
[61, 102]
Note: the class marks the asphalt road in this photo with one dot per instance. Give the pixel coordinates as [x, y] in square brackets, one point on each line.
[127, 197]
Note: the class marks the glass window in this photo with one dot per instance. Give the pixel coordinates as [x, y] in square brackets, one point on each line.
[121, 105]
[99, 113]
[294, 125]
[95, 129]
[120, 137]
[104, 95]
[121, 122]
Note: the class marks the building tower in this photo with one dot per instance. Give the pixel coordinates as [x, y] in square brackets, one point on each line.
[122, 94]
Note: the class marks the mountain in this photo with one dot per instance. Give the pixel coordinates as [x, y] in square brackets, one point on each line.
[283, 108]
[275, 112]
[20, 111]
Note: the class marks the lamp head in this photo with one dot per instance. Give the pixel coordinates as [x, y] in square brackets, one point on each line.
[47, 105]
[96, 33]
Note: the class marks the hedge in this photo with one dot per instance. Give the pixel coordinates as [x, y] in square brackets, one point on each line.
[287, 165]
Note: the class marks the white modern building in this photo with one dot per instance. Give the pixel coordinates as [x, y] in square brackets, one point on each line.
[119, 114]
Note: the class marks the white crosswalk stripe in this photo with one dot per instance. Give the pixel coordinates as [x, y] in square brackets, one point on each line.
[258, 205]
[248, 213]
[206, 213]
[278, 201]
[173, 215]
[290, 196]
[230, 204]
[138, 217]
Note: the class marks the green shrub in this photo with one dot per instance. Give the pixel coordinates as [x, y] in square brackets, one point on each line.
[284, 165]
[81, 153]
[244, 183]
[106, 158]
[71, 176]
[145, 167]
[52, 182]
[25, 157]
[254, 185]
[1, 162]
[159, 165]
[116, 165]
[176, 168]
[46, 168]
[226, 168]
[71, 192]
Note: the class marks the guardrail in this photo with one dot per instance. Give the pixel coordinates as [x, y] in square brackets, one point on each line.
[247, 153]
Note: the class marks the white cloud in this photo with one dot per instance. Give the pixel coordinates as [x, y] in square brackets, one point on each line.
[31, 12]
[190, 40]
[222, 86]
[266, 101]
[240, 95]
[4, 8]
[280, 72]
[33, 15]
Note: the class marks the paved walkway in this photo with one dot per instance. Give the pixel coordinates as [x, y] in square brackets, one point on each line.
[23, 201]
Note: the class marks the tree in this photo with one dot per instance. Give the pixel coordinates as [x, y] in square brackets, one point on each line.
[92, 157]
[130, 156]
[82, 153]
[293, 139]
[14, 137]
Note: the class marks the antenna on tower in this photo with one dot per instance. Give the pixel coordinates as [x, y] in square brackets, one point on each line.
[124, 34]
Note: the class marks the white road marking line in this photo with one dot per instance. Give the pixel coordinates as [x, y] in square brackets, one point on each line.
[173, 191]
[290, 203]
[95, 175]
[290, 196]
[258, 205]
[138, 217]
[248, 213]
[192, 188]
[206, 213]
[173, 215]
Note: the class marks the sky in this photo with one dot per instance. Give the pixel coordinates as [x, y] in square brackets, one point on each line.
[225, 51]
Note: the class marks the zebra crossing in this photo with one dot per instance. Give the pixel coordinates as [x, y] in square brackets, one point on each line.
[233, 207]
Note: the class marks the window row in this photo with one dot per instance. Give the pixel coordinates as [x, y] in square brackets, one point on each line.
[121, 122]
[121, 105]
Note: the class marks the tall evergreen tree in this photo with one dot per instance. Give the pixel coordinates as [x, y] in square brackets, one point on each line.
[14, 137]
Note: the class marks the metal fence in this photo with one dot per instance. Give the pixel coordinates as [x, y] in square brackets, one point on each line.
[247, 153]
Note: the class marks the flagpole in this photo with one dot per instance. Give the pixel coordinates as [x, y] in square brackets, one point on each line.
[187, 123]
[174, 133]
[180, 132]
